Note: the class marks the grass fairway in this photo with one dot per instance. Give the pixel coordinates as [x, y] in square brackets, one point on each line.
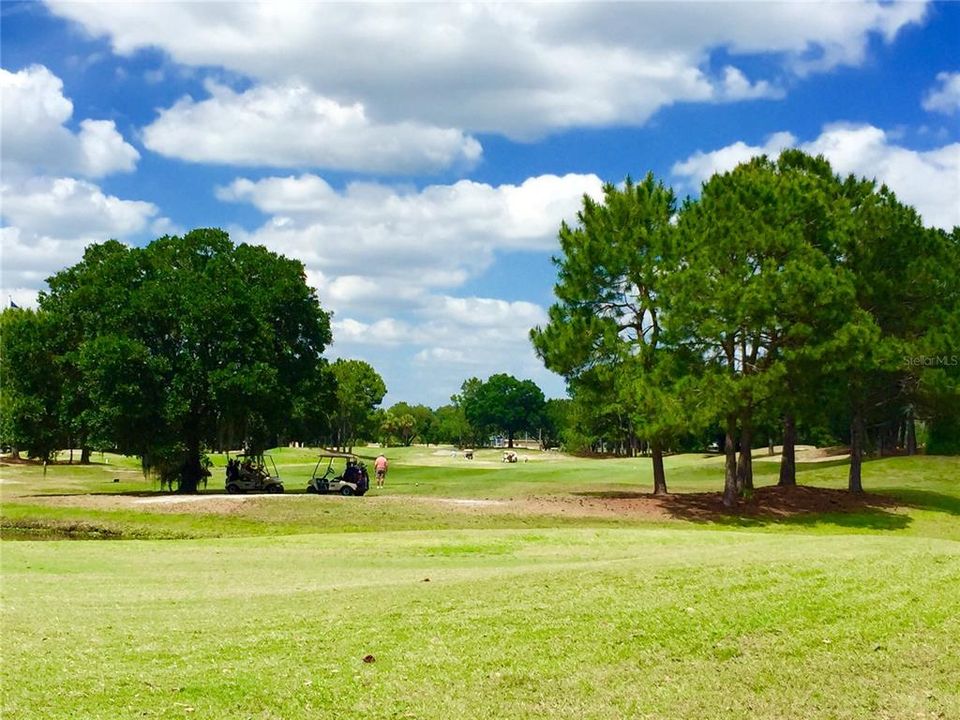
[481, 614]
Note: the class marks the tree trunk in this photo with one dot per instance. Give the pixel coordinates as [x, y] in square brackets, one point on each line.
[192, 471]
[745, 461]
[730, 467]
[510, 440]
[659, 476]
[84, 456]
[911, 433]
[855, 480]
[788, 459]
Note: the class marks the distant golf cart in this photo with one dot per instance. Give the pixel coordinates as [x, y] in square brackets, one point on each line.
[352, 481]
[253, 473]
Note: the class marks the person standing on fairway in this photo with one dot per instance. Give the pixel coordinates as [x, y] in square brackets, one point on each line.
[380, 465]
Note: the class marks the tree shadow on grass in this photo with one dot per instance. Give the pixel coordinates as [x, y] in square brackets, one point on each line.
[801, 505]
[927, 500]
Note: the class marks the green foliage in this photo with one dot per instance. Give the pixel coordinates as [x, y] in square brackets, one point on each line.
[359, 391]
[782, 294]
[188, 342]
[504, 404]
[451, 426]
[403, 423]
[605, 333]
[32, 383]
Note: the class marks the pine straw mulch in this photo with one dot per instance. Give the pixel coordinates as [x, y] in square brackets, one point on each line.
[770, 503]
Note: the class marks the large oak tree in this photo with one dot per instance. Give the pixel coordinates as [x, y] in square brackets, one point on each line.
[188, 341]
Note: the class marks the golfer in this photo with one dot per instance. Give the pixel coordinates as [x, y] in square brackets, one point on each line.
[381, 465]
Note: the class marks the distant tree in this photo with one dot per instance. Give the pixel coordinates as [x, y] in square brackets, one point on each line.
[505, 404]
[555, 422]
[315, 407]
[186, 340]
[405, 423]
[360, 389]
[399, 427]
[451, 426]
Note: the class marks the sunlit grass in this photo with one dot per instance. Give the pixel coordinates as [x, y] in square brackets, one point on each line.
[267, 607]
[560, 623]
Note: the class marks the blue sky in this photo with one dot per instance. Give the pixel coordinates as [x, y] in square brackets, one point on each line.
[419, 158]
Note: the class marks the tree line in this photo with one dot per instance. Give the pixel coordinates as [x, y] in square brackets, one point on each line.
[784, 301]
[193, 344]
[785, 304]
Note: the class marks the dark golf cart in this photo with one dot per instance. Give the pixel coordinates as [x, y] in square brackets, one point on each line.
[253, 473]
[352, 481]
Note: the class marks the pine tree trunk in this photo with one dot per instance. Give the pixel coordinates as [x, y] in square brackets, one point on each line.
[745, 461]
[659, 475]
[911, 433]
[730, 467]
[855, 480]
[788, 459]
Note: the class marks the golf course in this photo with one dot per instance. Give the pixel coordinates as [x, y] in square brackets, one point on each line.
[555, 587]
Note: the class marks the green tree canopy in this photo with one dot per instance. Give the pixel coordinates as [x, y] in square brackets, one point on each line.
[505, 404]
[360, 389]
[32, 384]
[605, 332]
[186, 341]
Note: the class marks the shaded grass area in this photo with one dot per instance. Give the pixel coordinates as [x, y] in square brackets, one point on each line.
[559, 623]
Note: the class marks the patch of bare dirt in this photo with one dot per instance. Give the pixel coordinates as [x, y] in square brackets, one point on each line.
[165, 503]
[805, 454]
[766, 502]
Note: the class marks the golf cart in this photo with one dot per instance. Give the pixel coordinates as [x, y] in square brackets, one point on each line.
[252, 473]
[352, 481]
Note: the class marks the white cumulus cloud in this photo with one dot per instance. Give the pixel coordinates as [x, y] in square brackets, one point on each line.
[372, 243]
[945, 98]
[927, 180]
[36, 140]
[521, 69]
[445, 341]
[291, 126]
[389, 261]
[49, 221]
[701, 165]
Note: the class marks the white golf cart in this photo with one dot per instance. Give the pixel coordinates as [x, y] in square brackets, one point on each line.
[353, 480]
[253, 473]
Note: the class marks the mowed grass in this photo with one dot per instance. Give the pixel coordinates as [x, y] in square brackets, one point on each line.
[928, 488]
[269, 611]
